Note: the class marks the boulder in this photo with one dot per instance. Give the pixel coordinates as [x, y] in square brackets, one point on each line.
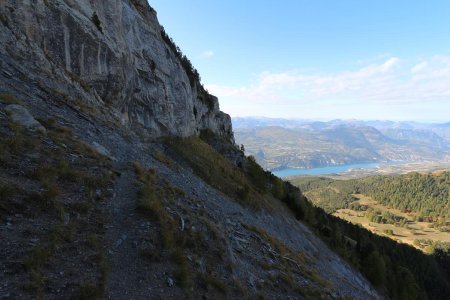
[22, 116]
[102, 150]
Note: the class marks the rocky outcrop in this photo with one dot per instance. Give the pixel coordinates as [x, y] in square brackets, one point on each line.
[22, 116]
[109, 54]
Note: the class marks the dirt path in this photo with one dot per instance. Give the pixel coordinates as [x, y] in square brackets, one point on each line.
[121, 256]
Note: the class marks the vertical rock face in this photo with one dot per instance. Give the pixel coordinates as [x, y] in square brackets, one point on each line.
[109, 53]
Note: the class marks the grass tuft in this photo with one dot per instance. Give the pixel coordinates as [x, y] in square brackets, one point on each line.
[75, 78]
[38, 257]
[240, 289]
[9, 99]
[163, 158]
[183, 274]
[208, 280]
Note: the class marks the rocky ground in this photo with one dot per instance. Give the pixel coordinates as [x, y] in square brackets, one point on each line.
[101, 242]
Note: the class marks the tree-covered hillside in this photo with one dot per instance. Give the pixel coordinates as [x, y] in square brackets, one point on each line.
[399, 269]
[427, 195]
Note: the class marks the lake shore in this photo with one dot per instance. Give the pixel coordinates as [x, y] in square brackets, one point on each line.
[351, 171]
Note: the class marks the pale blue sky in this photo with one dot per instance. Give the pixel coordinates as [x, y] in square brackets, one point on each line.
[321, 59]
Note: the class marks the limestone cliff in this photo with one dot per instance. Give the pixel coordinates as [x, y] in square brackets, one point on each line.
[107, 53]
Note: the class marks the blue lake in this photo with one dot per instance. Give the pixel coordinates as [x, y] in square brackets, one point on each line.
[323, 170]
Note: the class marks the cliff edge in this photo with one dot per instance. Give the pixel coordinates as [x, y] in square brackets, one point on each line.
[107, 53]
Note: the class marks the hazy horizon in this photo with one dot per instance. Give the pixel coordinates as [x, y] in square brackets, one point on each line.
[338, 119]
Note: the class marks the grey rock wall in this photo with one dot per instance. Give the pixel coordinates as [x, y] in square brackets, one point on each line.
[120, 62]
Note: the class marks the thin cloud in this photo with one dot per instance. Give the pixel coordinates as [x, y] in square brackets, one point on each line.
[208, 53]
[392, 80]
[394, 88]
[419, 67]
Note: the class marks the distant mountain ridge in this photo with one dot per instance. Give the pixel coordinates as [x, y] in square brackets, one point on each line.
[282, 143]
[250, 122]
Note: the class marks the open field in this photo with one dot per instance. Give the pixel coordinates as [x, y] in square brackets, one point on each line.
[407, 234]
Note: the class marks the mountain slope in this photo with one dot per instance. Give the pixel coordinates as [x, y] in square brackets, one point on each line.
[102, 207]
[305, 144]
[235, 251]
[120, 179]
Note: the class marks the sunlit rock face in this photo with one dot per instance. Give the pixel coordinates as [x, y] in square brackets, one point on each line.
[111, 54]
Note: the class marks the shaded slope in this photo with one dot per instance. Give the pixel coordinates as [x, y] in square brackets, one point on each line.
[236, 250]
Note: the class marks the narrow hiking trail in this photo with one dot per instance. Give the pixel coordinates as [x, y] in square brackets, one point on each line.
[121, 257]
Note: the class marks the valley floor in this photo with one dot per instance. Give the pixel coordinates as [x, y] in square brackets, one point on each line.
[414, 233]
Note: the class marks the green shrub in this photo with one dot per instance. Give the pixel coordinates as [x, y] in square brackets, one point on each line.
[388, 231]
[278, 188]
[4, 20]
[257, 175]
[375, 269]
[97, 22]
[183, 274]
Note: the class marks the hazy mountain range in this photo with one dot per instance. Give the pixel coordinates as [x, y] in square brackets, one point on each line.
[280, 143]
